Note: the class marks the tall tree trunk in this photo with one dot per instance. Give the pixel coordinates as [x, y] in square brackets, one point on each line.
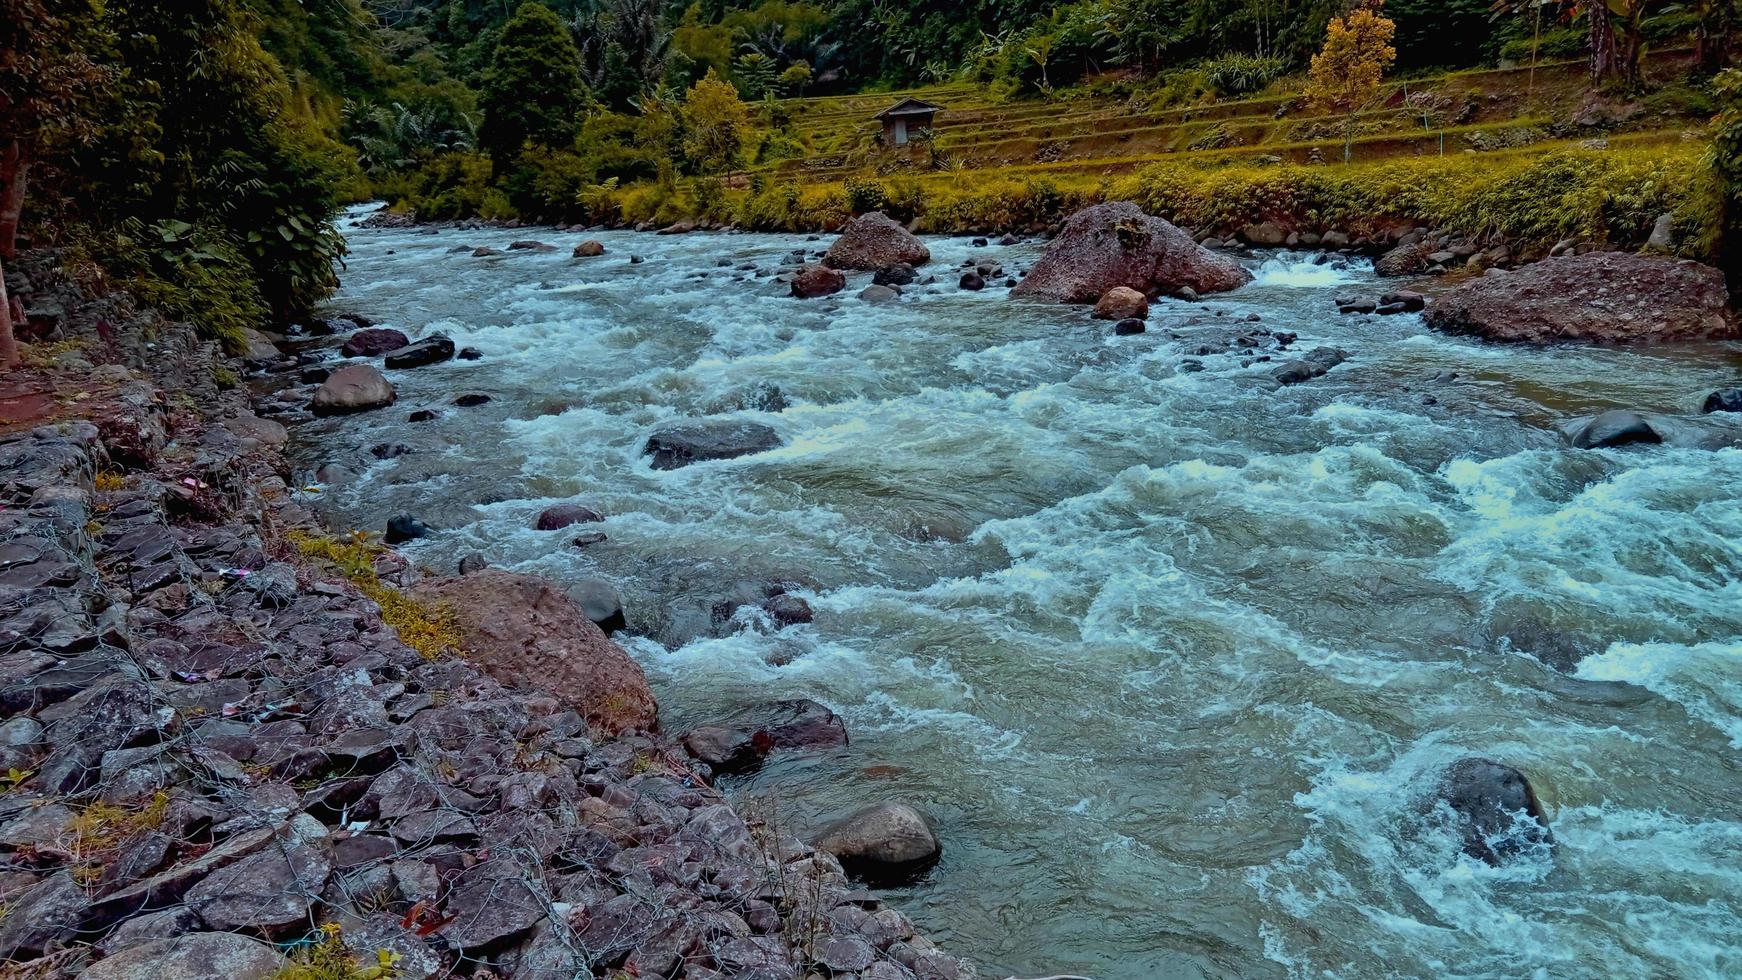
[8, 342]
[1603, 60]
[1712, 37]
[14, 171]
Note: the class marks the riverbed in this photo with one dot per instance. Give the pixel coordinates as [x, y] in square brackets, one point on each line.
[1173, 656]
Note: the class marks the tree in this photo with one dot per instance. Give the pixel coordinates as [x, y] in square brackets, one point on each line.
[1345, 75]
[715, 120]
[532, 92]
[756, 74]
[1724, 178]
[796, 76]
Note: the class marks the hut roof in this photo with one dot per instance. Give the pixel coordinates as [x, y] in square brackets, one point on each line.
[909, 107]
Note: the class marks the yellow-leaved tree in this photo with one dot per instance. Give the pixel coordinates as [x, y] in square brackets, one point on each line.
[715, 121]
[1345, 75]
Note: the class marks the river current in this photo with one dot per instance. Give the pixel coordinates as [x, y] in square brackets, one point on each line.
[1174, 658]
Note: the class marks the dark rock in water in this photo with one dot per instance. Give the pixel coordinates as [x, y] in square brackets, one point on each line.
[1412, 302]
[879, 294]
[589, 539]
[874, 241]
[691, 442]
[1313, 365]
[727, 750]
[1357, 304]
[484, 252]
[788, 610]
[473, 563]
[899, 274]
[529, 245]
[1616, 428]
[314, 375]
[636, 260]
[589, 249]
[1191, 365]
[373, 342]
[972, 280]
[979, 243]
[800, 724]
[760, 396]
[1129, 327]
[1009, 239]
[1496, 809]
[1723, 400]
[1390, 309]
[562, 515]
[1595, 298]
[405, 528]
[469, 354]
[430, 350]
[472, 400]
[884, 843]
[814, 281]
[423, 415]
[1117, 244]
[600, 602]
[390, 450]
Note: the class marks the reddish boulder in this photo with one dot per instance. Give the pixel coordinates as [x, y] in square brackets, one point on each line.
[562, 515]
[356, 388]
[373, 342]
[1116, 244]
[523, 630]
[1611, 298]
[815, 280]
[1122, 303]
[589, 249]
[874, 241]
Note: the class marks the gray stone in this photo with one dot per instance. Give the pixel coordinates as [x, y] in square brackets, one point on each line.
[196, 956]
[683, 443]
[883, 842]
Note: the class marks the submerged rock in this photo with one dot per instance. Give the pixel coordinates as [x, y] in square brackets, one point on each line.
[884, 843]
[1616, 428]
[684, 443]
[562, 515]
[1128, 328]
[899, 274]
[600, 602]
[879, 294]
[1723, 400]
[972, 281]
[1495, 807]
[405, 528]
[1117, 244]
[875, 241]
[1595, 298]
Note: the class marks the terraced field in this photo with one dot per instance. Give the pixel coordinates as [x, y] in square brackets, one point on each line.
[1090, 134]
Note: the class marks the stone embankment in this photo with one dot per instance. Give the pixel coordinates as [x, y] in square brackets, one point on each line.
[229, 740]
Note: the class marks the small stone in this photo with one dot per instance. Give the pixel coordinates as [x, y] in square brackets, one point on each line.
[1129, 327]
[405, 528]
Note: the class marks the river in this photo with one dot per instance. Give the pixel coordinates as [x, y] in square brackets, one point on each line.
[1174, 658]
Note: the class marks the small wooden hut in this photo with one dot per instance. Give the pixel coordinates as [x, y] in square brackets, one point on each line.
[905, 118]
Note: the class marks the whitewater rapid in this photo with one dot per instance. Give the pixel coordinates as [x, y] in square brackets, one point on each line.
[1174, 657]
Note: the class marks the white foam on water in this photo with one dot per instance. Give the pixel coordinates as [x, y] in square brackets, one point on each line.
[1291, 270]
[1706, 678]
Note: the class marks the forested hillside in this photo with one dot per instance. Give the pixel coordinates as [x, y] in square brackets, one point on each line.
[200, 148]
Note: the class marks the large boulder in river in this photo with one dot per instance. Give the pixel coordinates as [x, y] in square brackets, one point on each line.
[1116, 244]
[875, 241]
[884, 843]
[524, 631]
[684, 443]
[1596, 298]
[353, 388]
[589, 249]
[373, 342]
[1495, 807]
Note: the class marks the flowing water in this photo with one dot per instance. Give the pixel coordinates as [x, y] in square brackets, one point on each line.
[1175, 659]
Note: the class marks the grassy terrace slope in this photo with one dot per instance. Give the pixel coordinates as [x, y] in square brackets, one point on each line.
[1100, 134]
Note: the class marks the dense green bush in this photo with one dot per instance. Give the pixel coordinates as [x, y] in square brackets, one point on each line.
[1237, 74]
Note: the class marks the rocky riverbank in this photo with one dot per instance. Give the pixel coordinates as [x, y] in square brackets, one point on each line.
[232, 741]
